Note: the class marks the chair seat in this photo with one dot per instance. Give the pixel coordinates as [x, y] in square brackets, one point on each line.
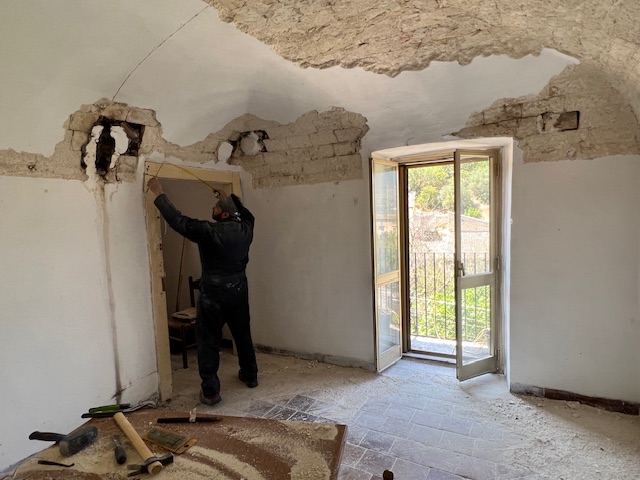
[185, 315]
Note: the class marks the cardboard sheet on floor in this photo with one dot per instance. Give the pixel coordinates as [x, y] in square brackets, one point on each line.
[233, 448]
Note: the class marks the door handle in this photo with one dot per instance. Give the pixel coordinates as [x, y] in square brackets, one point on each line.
[461, 272]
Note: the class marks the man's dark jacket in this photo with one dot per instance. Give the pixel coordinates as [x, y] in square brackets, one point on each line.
[224, 246]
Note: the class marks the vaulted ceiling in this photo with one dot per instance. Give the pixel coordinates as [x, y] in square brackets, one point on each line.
[392, 36]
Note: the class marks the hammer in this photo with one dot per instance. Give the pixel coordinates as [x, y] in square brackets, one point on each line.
[151, 464]
[69, 444]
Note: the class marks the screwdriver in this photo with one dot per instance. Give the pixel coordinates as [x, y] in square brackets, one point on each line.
[120, 453]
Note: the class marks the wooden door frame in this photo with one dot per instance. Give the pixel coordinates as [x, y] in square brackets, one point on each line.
[223, 180]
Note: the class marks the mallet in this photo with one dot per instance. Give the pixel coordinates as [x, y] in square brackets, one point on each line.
[151, 463]
[69, 444]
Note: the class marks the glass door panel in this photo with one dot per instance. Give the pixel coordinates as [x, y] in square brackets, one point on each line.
[388, 305]
[476, 324]
[386, 239]
[475, 262]
[431, 259]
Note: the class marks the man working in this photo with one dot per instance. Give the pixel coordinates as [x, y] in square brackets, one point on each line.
[224, 295]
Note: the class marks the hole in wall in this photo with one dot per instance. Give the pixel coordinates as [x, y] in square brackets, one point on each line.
[248, 143]
[111, 138]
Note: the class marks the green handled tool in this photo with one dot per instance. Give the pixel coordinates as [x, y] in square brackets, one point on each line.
[110, 408]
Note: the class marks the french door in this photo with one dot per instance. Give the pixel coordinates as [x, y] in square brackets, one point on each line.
[476, 281]
[442, 211]
[385, 206]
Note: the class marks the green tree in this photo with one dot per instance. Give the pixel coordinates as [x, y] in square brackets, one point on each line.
[433, 186]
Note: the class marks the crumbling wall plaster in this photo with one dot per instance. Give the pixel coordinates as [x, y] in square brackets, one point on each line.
[391, 36]
[316, 148]
[66, 161]
[607, 123]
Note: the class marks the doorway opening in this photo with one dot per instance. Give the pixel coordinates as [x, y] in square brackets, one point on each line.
[430, 242]
[440, 214]
[171, 260]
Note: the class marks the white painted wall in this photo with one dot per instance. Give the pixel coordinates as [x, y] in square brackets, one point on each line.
[61, 327]
[574, 284]
[310, 271]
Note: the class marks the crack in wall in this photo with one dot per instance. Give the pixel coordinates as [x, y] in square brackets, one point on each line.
[153, 51]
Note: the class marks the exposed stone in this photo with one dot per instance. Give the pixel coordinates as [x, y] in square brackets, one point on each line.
[127, 164]
[389, 37]
[325, 137]
[547, 125]
[79, 140]
[323, 151]
[66, 161]
[83, 122]
[348, 134]
[270, 158]
[276, 144]
[345, 148]
[299, 141]
[116, 111]
[142, 116]
[316, 147]
[305, 124]
[277, 131]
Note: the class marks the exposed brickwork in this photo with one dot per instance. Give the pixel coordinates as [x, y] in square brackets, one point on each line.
[67, 157]
[316, 148]
[607, 123]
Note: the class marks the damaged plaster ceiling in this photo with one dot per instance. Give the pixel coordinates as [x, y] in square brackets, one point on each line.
[392, 36]
[369, 43]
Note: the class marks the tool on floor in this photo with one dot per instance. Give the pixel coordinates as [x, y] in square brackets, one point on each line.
[170, 440]
[56, 464]
[111, 410]
[119, 452]
[71, 443]
[190, 419]
[151, 463]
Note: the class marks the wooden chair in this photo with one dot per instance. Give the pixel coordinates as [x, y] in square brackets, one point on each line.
[183, 322]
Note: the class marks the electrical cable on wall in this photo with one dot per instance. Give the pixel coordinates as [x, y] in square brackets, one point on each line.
[186, 170]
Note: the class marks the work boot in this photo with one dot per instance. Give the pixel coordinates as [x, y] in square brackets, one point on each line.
[212, 400]
[248, 383]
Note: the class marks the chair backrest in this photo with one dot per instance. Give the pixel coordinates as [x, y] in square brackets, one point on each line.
[193, 286]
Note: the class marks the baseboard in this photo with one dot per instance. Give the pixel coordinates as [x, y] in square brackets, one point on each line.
[619, 406]
[318, 357]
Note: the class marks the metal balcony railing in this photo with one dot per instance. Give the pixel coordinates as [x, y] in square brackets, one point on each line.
[432, 297]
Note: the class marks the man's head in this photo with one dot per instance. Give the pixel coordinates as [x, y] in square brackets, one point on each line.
[224, 209]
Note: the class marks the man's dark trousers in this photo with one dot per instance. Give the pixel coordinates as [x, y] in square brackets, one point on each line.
[227, 303]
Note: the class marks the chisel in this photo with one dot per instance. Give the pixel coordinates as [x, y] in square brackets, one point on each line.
[188, 419]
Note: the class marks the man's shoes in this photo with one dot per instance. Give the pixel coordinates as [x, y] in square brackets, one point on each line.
[210, 400]
[248, 383]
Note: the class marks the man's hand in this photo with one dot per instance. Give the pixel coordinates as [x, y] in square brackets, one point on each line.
[220, 193]
[155, 186]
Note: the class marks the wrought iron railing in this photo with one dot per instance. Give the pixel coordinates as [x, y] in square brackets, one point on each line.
[432, 297]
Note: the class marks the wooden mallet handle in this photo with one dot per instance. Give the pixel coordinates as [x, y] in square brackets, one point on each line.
[138, 443]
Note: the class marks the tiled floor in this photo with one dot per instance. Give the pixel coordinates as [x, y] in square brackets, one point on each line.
[418, 421]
